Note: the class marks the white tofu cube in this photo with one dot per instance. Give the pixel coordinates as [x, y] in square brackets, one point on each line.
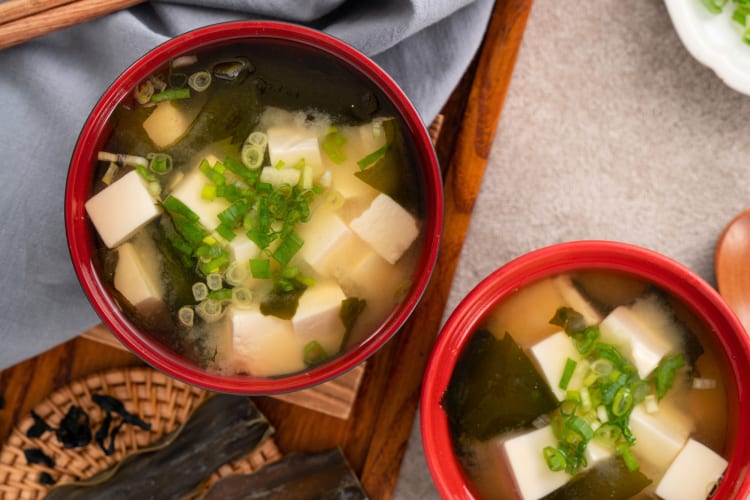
[387, 227]
[574, 299]
[596, 452]
[280, 176]
[121, 209]
[693, 473]
[242, 248]
[641, 344]
[551, 355]
[169, 122]
[317, 317]
[530, 472]
[189, 190]
[327, 238]
[659, 436]
[292, 144]
[137, 281]
[263, 345]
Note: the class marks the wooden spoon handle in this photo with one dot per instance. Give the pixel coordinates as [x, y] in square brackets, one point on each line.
[66, 13]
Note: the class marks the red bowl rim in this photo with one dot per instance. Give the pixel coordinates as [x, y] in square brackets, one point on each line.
[80, 236]
[659, 269]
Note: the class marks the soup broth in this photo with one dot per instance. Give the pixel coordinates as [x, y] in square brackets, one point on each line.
[258, 207]
[507, 389]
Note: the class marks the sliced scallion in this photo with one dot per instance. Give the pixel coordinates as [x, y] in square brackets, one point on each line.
[199, 81]
[171, 95]
[570, 366]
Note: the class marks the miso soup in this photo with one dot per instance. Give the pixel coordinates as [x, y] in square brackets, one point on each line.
[258, 208]
[589, 385]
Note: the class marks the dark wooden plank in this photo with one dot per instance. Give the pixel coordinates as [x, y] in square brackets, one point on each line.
[464, 176]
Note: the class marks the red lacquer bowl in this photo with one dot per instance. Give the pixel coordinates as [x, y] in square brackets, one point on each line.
[731, 339]
[81, 235]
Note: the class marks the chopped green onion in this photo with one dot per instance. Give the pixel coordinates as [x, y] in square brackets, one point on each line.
[242, 297]
[586, 339]
[580, 427]
[174, 205]
[666, 372]
[256, 138]
[568, 407]
[110, 174]
[236, 273]
[186, 315]
[602, 414]
[623, 402]
[209, 310]
[159, 163]
[208, 192]
[225, 232]
[554, 458]
[221, 295]
[608, 433]
[288, 248]
[125, 160]
[212, 174]
[214, 265]
[372, 158]
[333, 145]
[200, 81]
[624, 451]
[314, 354]
[252, 156]
[260, 268]
[143, 92]
[200, 291]
[214, 281]
[570, 366]
[171, 95]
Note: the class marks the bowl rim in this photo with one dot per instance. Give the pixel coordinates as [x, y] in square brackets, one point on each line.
[79, 234]
[563, 257]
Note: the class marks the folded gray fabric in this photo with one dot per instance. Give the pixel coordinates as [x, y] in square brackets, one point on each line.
[49, 85]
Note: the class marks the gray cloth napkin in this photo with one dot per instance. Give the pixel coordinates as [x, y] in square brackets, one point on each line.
[49, 85]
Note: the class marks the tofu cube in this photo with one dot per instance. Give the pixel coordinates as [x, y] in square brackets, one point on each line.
[280, 176]
[328, 240]
[189, 190]
[317, 317]
[551, 355]
[659, 436]
[292, 144]
[387, 227]
[576, 300]
[692, 474]
[643, 345]
[524, 455]
[242, 248]
[168, 122]
[137, 281]
[263, 345]
[121, 209]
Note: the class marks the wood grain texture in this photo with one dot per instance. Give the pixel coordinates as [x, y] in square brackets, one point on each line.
[374, 437]
[10, 10]
[57, 18]
[465, 171]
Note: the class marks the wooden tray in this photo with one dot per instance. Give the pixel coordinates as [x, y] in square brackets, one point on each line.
[161, 401]
[374, 437]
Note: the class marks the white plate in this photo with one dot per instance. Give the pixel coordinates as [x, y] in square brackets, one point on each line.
[714, 40]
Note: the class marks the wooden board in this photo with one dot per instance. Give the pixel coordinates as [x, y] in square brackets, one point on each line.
[374, 437]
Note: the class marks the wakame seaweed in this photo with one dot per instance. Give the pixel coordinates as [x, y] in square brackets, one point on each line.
[390, 174]
[74, 430]
[322, 475]
[494, 388]
[222, 429]
[608, 479]
[37, 456]
[39, 427]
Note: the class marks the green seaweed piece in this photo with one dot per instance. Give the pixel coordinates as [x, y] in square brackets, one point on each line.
[282, 301]
[351, 308]
[323, 475]
[231, 111]
[224, 428]
[608, 479]
[390, 173]
[494, 388]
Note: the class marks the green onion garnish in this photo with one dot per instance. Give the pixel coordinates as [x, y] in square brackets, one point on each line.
[314, 354]
[260, 268]
[372, 157]
[199, 81]
[333, 146]
[570, 366]
[171, 95]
